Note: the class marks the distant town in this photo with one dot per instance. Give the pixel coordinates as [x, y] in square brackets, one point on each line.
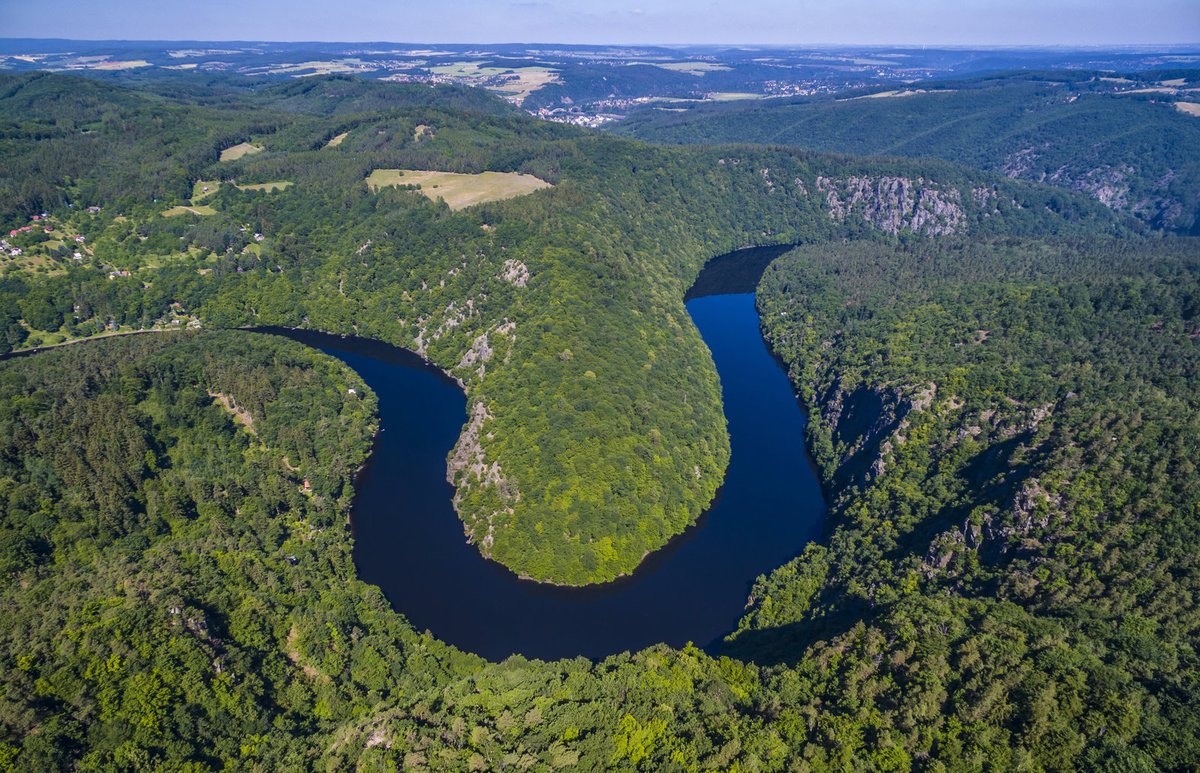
[580, 85]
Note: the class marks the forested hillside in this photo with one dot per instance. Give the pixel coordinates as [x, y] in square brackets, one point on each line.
[165, 500]
[1001, 381]
[1007, 430]
[1119, 139]
[594, 429]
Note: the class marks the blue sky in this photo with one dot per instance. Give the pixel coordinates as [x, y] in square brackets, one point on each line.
[799, 22]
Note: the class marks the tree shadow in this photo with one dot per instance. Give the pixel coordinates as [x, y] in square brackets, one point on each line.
[786, 644]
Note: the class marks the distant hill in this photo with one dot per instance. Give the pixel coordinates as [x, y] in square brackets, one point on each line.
[1121, 140]
[342, 94]
[150, 142]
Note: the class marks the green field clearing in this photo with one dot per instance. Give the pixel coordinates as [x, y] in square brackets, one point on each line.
[732, 96]
[239, 150]
[203, 189]
[888, 94]
[459, 190]
[32, 263]
[467, 70]
[317, 67]
[519, 82]
[115, 66]
[203, 210]
[528, 80]
[277, 185]
[693, 68]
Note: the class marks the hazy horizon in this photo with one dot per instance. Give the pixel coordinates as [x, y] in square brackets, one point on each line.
[937, 23]
[814, 45]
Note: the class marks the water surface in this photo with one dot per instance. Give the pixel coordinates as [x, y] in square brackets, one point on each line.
[410, 542]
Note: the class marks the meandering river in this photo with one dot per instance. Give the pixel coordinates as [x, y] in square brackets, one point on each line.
[410, 542]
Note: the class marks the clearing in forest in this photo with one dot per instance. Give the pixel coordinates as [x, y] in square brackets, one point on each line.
[333, 143]
[690, 68]
[731, 96]
[201, 210]
[114, 66]
[513, 83]
[889, 94]
[203, 189]
[459, 190]
[1191, 108]
[277, 185]
[239, 150]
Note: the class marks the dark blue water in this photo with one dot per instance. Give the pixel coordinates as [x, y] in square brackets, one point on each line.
[409, 541]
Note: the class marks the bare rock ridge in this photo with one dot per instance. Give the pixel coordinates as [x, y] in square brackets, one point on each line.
[894, 204]
[468, 467]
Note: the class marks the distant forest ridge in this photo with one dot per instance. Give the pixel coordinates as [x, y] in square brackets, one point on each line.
[1128, 140]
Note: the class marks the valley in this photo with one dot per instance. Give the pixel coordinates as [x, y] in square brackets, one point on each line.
[455, 447]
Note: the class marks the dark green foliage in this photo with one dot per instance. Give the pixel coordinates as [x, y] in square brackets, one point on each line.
[153, 546]
[600, 406]
[1007, 427]
[342, 95]
[1027, 455]
[1135, 152]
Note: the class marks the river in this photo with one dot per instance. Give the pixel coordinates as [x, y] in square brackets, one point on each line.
[410, 542]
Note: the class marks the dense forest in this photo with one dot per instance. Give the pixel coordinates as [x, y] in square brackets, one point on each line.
[1008, 579]
[1010, 431]
[1000, 378]
[1131, 149]
[596, 430]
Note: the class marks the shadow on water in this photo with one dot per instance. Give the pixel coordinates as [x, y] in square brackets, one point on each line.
[410, 542]
[735, 272]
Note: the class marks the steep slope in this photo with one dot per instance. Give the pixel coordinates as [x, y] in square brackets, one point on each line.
[1008, 430]
[182, 598]
[1124, 144]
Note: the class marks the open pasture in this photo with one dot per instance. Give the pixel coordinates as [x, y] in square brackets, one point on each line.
[270, 187]
[203, 210]
[202, 189]
[239, 150]
[459, 190]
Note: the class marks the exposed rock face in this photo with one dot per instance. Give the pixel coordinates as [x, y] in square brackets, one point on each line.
[1020, 527]
[482, 349]
[240, 414]
[515, 273]
[1154, 202]
[1020, 163]
[484, 495]
[862, 422]
[480, 352]
[893, 204]
[468, 465]
[1105, 184]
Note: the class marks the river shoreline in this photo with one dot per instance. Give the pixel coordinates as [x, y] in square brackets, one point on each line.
[409, 540]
